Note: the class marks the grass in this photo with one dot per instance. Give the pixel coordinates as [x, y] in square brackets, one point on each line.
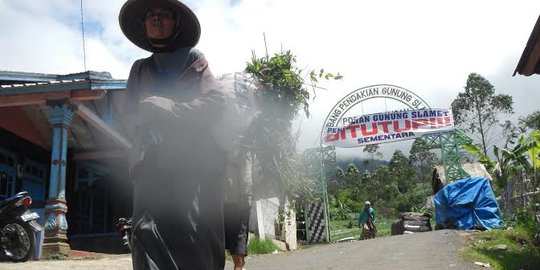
[344, 233]
[55, 256]
[256, 246]
[340, 229]
[521, 253]
[261, 246]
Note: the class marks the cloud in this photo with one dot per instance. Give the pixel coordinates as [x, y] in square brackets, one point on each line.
[428, 47]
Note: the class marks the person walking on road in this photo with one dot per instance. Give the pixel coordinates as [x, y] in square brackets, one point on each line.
[169, 111]
[366, 220]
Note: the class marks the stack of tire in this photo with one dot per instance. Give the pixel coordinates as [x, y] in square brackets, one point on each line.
[411, 222]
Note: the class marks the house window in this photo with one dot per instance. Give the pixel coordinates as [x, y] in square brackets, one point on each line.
[7, 186]
[7, 174]
[34, 179]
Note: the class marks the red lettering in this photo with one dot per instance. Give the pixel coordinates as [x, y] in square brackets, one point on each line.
[373, 131]
[435, 122]
[353, 130]
[448, 121]
[342, 134]
[419, 122]
[406, 128]
[385, 126]
[332, 137]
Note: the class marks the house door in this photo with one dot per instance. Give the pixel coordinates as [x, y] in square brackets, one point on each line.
[91, 200]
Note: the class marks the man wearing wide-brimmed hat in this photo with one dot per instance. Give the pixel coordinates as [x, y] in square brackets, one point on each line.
[168, 110]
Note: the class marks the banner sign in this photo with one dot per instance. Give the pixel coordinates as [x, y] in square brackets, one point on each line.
[386, 91]
[389, 127]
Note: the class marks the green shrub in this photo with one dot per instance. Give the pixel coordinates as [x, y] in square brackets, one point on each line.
[339, 213]
[261, 246]
[520, 252]
[524, 221]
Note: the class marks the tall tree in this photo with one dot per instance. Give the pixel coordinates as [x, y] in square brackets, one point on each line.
[336, 179]
[531, 121]
[373, 151]
[381, 190]
[401, 170]
[476, 110]
[352, 175]
[421, 157]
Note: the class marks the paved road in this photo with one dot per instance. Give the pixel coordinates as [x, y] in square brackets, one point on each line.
[432, 250]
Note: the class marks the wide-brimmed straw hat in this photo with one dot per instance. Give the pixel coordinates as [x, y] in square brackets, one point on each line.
[131, 20]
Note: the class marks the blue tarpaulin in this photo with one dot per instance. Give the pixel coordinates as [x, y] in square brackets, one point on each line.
[467, 204]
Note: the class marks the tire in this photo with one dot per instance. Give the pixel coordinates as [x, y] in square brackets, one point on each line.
[418, 228]
[415, 222]
[414, 216]
[19, 246]
[397, 228]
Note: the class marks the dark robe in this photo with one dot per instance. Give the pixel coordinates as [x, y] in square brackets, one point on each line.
[178, 167]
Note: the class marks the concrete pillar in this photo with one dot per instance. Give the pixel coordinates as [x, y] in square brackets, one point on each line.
[289, 226]
[260, 219]
[55, 241]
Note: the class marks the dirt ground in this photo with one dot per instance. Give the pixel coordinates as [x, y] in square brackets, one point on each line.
[108, 262]
[430, 250]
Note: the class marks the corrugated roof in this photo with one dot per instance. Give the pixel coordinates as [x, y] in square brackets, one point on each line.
[12, 77]
[61, 85]
[529, 63]
[9, 77]
[14, 85]
[17, 82]
[473, 169]
[31, 90]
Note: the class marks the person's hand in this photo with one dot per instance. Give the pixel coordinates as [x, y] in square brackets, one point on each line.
[158, 103]
[156, 108]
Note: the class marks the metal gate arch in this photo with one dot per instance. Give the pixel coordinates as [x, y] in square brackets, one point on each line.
[447, 142]
[318, 221]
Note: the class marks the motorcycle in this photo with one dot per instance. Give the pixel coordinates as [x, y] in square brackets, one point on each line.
[17, 228]
[124, 227]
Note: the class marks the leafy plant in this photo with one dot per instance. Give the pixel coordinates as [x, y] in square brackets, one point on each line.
[282, 93]
[507, 161]
[510, 162]
[339, 211]
[534, 150]
[257, 245]
[524, 220]
[283, 89]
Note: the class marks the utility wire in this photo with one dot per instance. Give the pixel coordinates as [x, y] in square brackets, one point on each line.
[83, 40]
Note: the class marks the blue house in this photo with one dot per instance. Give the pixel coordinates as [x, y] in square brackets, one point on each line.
[58, 140]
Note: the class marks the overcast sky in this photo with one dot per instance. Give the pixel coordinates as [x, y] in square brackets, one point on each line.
[428, 47]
